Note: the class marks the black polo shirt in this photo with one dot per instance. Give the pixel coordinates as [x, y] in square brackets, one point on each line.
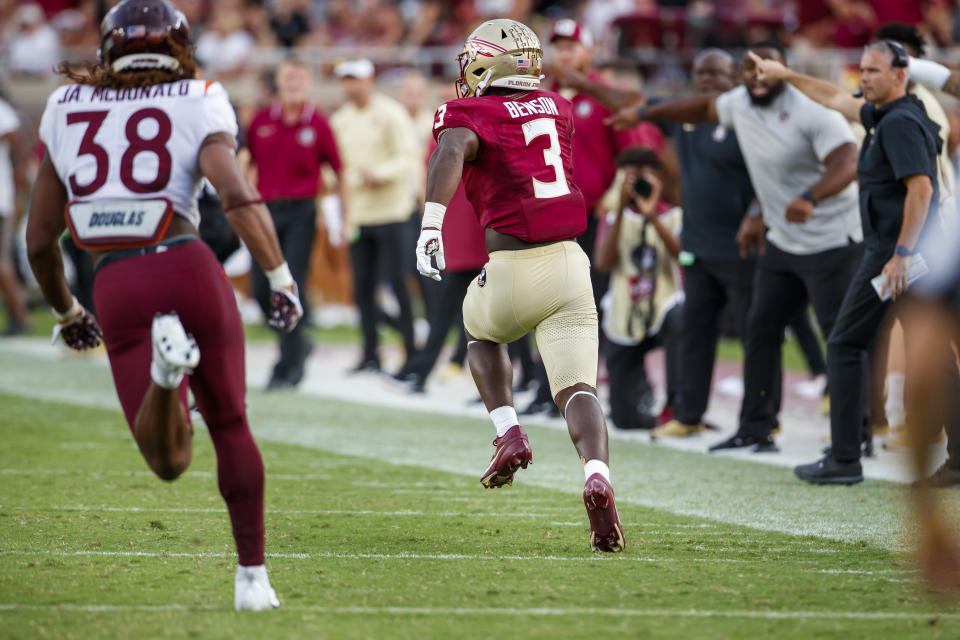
[901, 142]
[715, 186]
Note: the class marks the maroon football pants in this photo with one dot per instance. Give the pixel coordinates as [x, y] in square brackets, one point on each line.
[188, 279]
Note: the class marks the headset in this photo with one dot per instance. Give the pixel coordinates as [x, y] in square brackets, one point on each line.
[900, 58]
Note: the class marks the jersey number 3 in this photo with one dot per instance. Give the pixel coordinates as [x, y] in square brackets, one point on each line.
[551, 155]
[137, 145]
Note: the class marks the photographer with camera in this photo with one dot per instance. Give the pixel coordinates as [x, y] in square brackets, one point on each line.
[639, 247]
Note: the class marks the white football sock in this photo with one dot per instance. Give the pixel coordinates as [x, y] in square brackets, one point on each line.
[596, 466]
[503, 418]
[893, 407]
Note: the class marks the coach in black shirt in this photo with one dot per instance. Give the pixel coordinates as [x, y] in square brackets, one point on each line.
[898, 181]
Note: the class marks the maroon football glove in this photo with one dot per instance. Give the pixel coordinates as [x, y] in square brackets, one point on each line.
[81, 332]
[285, 309]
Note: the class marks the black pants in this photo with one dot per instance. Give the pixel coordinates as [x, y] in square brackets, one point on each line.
[629, 388]
[445, 313]
[783, 284]
[860, 318]
[295, 221]
[709, 286]
[378, 255]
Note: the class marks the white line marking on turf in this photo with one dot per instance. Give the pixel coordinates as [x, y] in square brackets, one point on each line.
[200, 474]
[385, 556]
[332, 512]
[509, 611]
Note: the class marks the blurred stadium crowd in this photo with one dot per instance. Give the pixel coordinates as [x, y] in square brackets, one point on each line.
[411, 46]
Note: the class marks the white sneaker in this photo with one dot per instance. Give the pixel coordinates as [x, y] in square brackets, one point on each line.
[252, 590]
[174, 352]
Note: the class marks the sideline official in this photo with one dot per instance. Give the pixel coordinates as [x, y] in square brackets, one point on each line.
[898, 181]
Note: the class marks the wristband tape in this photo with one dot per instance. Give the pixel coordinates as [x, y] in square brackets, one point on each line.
[433, 213]
[754, 210]
[280, 278]
[71, 313]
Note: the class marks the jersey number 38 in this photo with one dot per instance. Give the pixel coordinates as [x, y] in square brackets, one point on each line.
[137, 145]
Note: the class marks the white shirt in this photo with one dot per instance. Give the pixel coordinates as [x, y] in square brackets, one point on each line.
[136, 143]
[36, 53]
[784, 146]
[8, 123]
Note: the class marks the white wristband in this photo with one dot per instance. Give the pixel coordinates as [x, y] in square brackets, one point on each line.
[929, 73]
[433, 213]
[280, 278]
[74, 310]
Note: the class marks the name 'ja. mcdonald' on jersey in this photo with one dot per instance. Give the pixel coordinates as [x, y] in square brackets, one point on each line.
[140, 143]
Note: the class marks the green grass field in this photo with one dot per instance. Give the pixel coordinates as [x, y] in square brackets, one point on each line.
[93, 546]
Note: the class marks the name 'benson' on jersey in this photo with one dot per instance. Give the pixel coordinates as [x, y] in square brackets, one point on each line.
[521, 181]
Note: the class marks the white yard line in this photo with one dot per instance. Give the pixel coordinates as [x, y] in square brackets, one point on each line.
[398, 556]
[506, 611]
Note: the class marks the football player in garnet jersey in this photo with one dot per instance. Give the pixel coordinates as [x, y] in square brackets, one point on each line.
[511, 144]
[126, 148]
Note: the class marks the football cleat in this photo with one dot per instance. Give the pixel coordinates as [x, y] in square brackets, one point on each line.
[677, 429]
[175, 353]
[513, 452]
[606, 533]
[252, 590]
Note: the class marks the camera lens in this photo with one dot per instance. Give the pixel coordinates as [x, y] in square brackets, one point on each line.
[642, 188]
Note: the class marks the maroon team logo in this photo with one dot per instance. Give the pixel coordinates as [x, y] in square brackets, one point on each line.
[482, 278]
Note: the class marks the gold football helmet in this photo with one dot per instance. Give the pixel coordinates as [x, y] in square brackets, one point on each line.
[500, 53]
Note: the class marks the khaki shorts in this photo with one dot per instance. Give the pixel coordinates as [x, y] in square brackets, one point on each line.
[547, 289]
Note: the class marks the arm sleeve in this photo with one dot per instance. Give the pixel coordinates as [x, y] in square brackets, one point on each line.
[726, 105]
[402, 145]
[451, 115]
[673, 219]
[46, 129]
[828, 130]
[328, 150]
[910, 151]
[218, 113]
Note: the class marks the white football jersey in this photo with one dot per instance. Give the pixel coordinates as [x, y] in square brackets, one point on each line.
[111, 144]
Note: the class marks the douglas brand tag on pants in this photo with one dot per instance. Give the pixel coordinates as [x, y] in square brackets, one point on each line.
[118, 224]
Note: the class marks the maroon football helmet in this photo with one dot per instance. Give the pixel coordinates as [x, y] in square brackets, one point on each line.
[136, 35]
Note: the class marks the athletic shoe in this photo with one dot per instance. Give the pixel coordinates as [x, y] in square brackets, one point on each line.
[666, 415]
[827, 470]
[174, 352]
[513, 452]
[677, 429]
[764, 444]
[365, 366]
[606, 533]
[942, 478]
[252, 590]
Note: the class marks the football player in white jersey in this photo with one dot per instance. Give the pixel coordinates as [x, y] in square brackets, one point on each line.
[127, 146]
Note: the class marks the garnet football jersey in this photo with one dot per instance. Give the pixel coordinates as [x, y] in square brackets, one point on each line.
[521, 182]
[108, 144]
